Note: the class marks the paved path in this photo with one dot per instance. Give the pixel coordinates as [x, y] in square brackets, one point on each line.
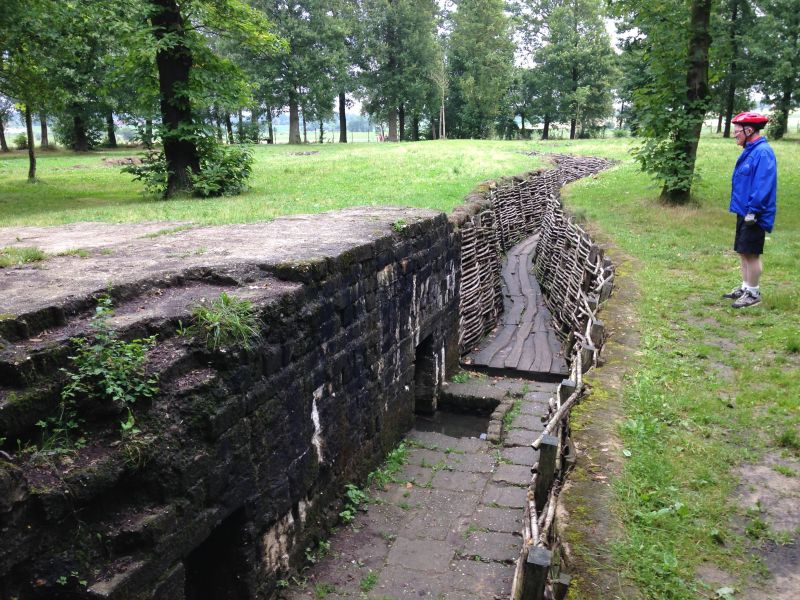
[523, 344]
[449, 526]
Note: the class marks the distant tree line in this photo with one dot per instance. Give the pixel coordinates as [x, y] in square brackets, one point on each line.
[196, 73]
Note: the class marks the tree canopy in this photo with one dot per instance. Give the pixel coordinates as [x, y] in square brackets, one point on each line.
[183, 72]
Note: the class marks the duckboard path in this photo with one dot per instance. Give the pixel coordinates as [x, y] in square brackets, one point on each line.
[524, 344]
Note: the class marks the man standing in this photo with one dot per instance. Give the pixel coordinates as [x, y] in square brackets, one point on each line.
[753, 198]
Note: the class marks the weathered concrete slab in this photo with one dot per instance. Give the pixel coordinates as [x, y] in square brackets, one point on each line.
[508, 520]
[121, 255]
[513, 475]
[490, 545]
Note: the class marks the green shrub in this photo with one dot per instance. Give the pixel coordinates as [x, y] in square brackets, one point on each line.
[21, 141]
[224, 170]
[224, 322]
[64, 130]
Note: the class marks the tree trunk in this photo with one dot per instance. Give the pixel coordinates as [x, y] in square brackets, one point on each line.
[3, 144]
[112, 137]
[271, 138]
[294, 119]
[401, 112]
[732, 71]
[719, 122]
[784, 107]
[546, 128]
[305, 128]
[415, 127]
[148, 133]
[572, 125]
[45, 143]
[229, 127]
[321, 132]
[677, 189]
[434, 129]
[174, 62]
[342, 119]
[254, 128]
[218, 121]
[81, 141]
[392, 118]
[240, 128]
[31, 150]
[442, 128]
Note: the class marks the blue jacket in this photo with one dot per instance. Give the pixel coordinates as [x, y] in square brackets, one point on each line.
[754, 186]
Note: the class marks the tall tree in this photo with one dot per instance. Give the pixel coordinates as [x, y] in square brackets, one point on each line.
[481, 60]
[29, 40]
[778, 59]
[578, 61]
[672, 103]
[303, 77]
[179, 44]
[6, 108]
[397, 55]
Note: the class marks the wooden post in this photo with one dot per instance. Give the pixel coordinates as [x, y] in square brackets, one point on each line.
[547, 469]
[537, 564]
[561, 586]
[596, 332]
[566, 389]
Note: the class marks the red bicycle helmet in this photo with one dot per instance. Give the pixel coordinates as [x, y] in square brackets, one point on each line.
[750, 118]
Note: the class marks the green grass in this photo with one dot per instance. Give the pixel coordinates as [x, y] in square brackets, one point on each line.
[711, 388]
[425, 174]
[19, 255]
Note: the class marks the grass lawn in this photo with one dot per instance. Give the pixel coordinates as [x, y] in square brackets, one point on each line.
[710, 389]
[427, 174]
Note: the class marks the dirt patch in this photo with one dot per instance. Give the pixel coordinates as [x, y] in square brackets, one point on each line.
[770, 493]
[123, 161]
[588, 525]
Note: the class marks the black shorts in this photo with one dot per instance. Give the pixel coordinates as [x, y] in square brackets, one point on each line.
[749, 238]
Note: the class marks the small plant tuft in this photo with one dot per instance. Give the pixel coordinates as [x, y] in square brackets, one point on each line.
[107, 374]
[225, 322]
[20, 255]
[368, 582]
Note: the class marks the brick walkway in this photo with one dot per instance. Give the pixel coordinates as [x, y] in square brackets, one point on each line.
[448, 528]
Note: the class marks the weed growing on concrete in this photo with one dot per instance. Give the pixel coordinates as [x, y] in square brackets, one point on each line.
[399, 225]
[394, 462]
[461, 377]
[106, 370]
[226, 321]
[355, 499]
[511, 414]
[80, 252]
[20, 255]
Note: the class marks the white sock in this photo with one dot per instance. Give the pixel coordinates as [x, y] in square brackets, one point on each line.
[753, 289]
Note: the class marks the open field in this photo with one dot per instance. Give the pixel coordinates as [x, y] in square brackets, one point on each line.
[286, 179]
[712, 391]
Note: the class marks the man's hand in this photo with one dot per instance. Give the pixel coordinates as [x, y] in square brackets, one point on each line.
[750, 220]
